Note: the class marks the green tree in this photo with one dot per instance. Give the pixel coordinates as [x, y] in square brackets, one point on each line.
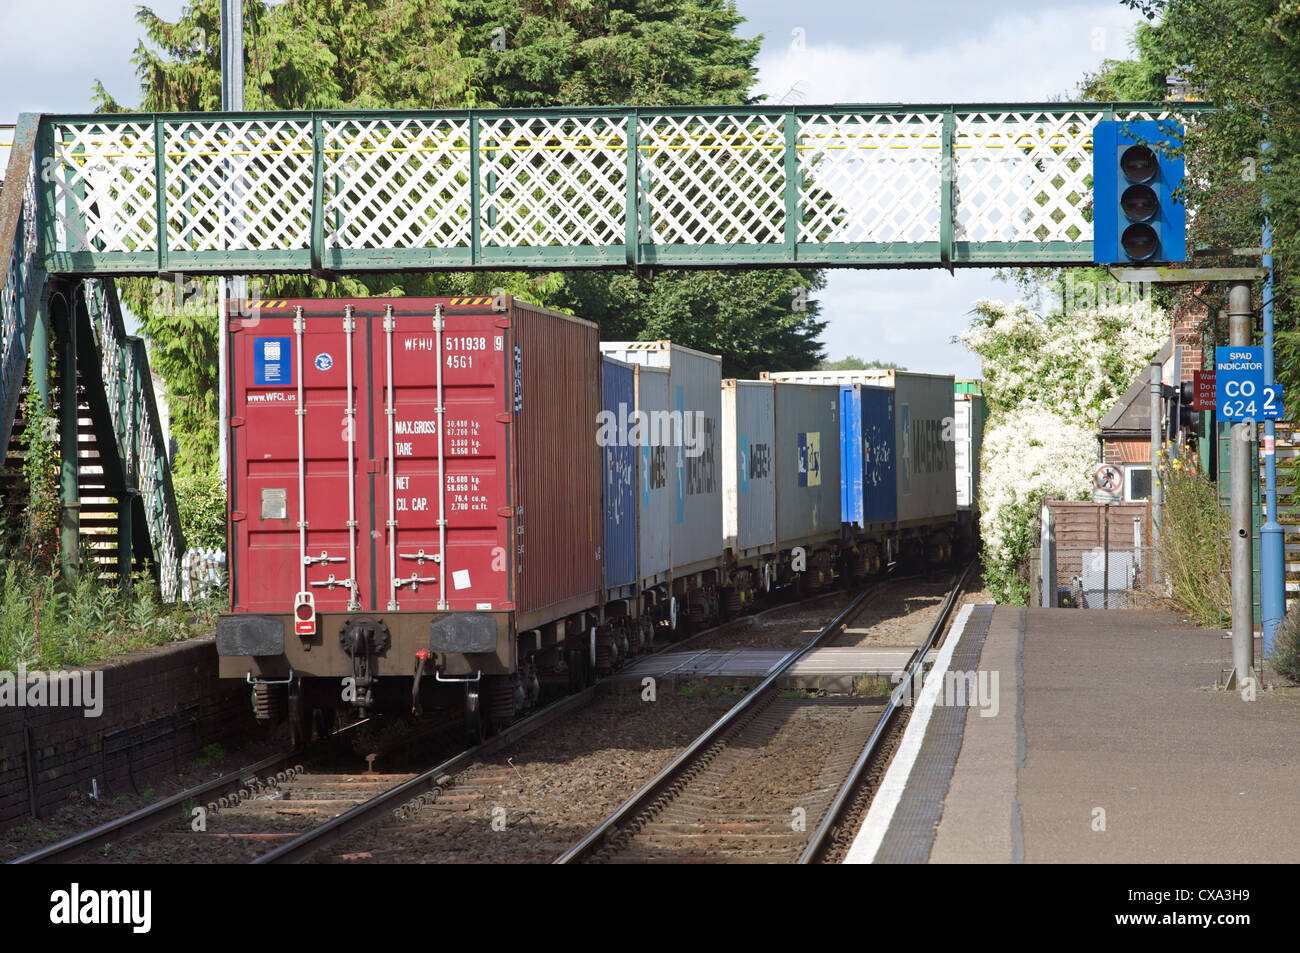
[484, 53]
[854, 363]
[1243, 56]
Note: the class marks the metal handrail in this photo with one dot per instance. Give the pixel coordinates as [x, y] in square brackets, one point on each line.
[24, 276]
[128, 386]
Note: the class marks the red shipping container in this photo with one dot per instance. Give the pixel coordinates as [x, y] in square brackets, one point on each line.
[521, 494]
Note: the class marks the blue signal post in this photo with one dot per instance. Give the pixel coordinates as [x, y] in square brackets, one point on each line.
[1272, 569]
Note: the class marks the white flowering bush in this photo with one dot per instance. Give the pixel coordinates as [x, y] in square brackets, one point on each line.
[1077, 365]
[1048, 384]
[1030, 454]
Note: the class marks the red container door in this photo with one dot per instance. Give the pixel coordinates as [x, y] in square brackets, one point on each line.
[475, 461]
[278, 373]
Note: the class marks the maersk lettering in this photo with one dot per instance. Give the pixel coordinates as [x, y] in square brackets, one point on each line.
[701, 470]
[927, 450]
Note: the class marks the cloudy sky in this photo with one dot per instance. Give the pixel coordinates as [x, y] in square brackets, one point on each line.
[814, 52]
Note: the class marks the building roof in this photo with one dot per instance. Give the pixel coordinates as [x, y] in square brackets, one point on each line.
[1132, 412]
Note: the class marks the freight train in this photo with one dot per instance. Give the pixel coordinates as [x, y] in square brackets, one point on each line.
[592, 495]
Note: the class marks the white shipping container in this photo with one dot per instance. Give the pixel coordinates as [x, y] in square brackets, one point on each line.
[968, 418]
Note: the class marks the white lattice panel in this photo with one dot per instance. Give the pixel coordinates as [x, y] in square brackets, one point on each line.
[870, 178]
[400, 183]
[714, 179]
[1022, 176]
[103, 177]
[553, 181]
[238, 185]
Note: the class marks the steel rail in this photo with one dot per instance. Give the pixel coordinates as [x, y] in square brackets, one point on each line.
[844, 796]
[147, 818]
[301, 848]
[648, 792]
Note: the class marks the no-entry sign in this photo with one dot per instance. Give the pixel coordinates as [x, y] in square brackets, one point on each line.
[1108, 484]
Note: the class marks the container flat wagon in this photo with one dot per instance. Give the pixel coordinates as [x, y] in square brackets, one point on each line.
[413, 491]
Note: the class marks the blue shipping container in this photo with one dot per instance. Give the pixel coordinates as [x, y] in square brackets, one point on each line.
[618, 401]
[869, 490]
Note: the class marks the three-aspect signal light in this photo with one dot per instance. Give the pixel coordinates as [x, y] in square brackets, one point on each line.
[1184, 421]
[304, 614]
[1136, 217]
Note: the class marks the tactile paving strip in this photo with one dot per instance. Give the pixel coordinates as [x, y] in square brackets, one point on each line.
[910, 837]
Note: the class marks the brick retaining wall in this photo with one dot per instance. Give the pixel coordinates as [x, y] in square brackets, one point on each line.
[161, 707]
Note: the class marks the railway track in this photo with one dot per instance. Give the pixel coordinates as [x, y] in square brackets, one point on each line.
[448, 781]
[269, 802]
[778, 778]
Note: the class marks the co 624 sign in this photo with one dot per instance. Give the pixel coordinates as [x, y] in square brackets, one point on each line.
[1240, 392]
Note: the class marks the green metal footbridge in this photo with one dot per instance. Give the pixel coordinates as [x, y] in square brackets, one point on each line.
[90, 198]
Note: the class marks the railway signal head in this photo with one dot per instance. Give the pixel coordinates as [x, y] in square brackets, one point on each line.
[1189, 418]
[1136, 217]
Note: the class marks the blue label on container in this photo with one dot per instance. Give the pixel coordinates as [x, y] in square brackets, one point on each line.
[272, 362]
[810, 459]
[324, 361]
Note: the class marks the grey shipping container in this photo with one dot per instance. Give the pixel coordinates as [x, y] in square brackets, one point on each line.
[925, 469]
[695, 418]
[807, 436]
[748, 471]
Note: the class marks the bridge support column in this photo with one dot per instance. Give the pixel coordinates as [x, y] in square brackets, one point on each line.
[69, 491]
[39, 358]
[126, 535]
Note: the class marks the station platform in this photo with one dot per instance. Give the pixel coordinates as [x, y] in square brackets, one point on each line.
[1087, 736]
[832, 669]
